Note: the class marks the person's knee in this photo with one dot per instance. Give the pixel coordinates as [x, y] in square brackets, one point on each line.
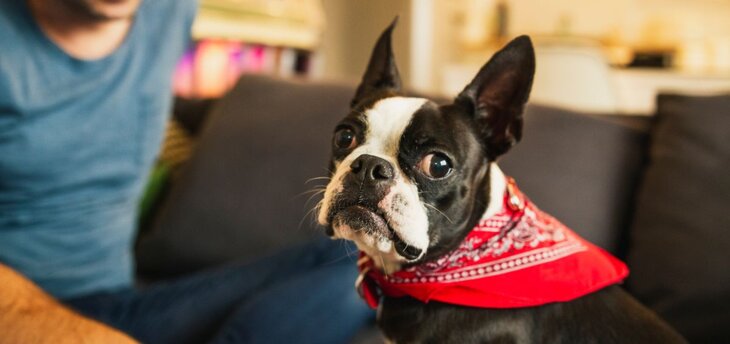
[318, 306]
[337, 288]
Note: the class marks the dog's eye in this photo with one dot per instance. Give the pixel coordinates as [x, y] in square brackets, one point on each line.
[436, 165]
[345, 139]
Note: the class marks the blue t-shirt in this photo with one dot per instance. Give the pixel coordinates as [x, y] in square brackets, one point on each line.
[77, 140]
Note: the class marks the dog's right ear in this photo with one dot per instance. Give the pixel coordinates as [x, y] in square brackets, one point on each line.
[381, 75]
[496, 97]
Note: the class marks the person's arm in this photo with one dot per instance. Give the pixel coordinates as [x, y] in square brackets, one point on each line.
[29, 315]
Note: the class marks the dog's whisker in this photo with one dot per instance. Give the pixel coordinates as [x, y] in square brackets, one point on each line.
[316, 189]
[316, 179]
[315, 194]
[313, 190]
[329, 172]
[353, 253]
[310, 212]
[347, 255]
[439, 211]
[382, 263]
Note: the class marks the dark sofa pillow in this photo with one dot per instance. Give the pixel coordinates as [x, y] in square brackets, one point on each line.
[244, 194]
[582, 169]
[680, 247]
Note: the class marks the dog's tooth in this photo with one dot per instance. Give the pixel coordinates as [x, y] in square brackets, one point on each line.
[384, 245]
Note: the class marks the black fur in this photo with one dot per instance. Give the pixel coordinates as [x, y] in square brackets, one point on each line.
[607, 316]
[381, 77]
[482, 123]
[461, 198]
[498, 94]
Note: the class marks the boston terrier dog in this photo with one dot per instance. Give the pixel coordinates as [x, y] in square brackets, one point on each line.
[451, 250]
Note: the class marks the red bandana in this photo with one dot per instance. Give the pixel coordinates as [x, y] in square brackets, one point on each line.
[520, 257]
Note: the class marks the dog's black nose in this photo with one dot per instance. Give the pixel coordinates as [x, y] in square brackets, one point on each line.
[370, 168]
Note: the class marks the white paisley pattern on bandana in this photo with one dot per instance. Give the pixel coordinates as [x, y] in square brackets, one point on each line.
[506, 242]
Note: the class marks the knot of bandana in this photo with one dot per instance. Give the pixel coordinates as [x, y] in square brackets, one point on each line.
[520, 257]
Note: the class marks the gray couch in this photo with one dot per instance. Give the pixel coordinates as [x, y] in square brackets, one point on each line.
[243, 193]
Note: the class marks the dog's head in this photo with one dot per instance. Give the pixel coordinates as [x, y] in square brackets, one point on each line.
[410, 178]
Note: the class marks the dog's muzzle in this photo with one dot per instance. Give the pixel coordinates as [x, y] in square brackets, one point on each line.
[368, 182]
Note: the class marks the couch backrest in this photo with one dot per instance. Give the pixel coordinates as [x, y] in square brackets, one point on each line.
[243, 193]
[582, 169]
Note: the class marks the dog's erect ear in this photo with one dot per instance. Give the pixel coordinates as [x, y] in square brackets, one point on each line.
[498, 94]
[382, 73]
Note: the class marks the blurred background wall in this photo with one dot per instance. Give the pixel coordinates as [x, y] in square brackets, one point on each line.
[600, 56]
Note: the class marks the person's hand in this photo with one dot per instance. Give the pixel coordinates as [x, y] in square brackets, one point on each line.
[29, 315]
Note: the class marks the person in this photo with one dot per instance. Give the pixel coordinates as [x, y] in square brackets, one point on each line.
[85, 86]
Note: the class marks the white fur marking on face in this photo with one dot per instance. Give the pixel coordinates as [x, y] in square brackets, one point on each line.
[406, 214]
[386, 122]
[497, 187]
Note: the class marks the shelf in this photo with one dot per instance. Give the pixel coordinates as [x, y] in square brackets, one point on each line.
[286, 23]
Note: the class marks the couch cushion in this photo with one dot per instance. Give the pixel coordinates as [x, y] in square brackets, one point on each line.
[243, 193]
[680, 247]
[580, 168]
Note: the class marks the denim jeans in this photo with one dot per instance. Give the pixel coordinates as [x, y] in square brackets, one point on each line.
[302, 295]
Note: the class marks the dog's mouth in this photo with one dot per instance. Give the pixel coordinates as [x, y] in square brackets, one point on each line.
[373, 223]
[361, 218]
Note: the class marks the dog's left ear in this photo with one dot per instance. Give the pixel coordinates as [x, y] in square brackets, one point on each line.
[498, 94]
[382, 74]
